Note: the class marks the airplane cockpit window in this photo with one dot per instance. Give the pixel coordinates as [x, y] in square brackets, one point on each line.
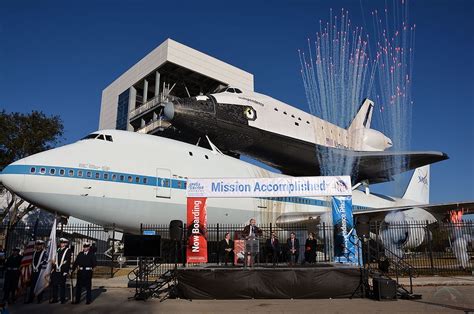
[238, 91]
[90, 136]
[103, 137]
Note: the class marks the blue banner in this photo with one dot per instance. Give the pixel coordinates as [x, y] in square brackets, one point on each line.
[346, 242]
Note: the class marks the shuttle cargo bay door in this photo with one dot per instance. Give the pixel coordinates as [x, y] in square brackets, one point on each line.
[163, 183]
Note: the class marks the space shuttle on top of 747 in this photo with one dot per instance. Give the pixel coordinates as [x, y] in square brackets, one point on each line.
[289, 139]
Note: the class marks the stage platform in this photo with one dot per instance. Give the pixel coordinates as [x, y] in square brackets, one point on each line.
[319, 281]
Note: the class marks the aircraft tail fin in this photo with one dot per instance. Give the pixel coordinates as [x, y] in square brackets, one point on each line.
[363, 116]
[419, 187]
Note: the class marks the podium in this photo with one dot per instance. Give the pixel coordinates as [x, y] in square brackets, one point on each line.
[252, 248]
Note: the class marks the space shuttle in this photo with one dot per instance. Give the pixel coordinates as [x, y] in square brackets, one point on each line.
[290, 140]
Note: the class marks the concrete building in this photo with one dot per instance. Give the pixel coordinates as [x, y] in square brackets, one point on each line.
[133, 101]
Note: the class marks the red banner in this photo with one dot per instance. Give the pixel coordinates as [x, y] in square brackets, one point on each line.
[196, 251]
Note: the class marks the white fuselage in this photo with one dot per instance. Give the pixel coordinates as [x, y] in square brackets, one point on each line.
[138, 178]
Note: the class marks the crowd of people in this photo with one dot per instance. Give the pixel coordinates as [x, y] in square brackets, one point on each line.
[62, 268]
[273, 249]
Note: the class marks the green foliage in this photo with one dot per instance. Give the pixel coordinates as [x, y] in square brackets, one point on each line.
[23, 134]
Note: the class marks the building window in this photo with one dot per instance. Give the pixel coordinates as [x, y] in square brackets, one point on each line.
[121, 122]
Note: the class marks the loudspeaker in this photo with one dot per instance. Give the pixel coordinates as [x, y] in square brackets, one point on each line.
[141, 245]
[385, 289]
[176, 230]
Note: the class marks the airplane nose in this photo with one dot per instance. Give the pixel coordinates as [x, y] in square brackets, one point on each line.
[13, 177]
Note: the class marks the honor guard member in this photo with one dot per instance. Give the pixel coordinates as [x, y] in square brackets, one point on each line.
[85, 261]
[12, 266]
[60, 271]
[38, 263]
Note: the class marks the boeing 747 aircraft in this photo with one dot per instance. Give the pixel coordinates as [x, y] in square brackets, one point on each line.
[127, 178]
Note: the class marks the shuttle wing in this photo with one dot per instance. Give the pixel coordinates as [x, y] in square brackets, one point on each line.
[377, 167]
[299, 158]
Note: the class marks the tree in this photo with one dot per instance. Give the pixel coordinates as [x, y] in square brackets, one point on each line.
[23, 135]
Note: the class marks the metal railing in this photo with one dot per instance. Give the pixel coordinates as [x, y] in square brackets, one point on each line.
[422, 247]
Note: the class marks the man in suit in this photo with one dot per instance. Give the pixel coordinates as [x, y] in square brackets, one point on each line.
[85, 261]
[273, 248]
[60, 271]
[38, 263]
[293, 248]
[12, 274]
[226, 250]
[251, 230]
[251, 233]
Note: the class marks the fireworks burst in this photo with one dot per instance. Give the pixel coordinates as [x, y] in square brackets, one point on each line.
[343, 66]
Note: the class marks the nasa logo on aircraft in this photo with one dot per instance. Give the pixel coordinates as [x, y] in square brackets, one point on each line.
[423, 177]
[250, 113]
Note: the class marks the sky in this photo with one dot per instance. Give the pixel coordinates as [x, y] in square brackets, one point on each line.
[58, 56]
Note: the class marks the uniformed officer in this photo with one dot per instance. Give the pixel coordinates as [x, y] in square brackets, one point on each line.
[38, 263]
[12, 275]
[85, 261]
[60, 271]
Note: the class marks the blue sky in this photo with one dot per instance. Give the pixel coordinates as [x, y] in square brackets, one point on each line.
[57, 56]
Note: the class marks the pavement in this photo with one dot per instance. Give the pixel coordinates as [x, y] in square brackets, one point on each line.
[452, 299]
[440, 294]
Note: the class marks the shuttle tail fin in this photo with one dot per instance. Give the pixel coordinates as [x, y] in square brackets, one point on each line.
[363, 116]
[419, 187]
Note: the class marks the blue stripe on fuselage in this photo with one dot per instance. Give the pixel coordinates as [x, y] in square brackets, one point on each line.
[137, 179]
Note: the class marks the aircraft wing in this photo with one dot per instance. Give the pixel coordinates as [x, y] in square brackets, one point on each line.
[440, 211]
[299, 158]
[377, 167]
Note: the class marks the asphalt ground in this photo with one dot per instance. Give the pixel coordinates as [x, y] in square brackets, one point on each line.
[436, 299]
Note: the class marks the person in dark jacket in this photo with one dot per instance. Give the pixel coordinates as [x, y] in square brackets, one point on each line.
[310, 249]
[38, 263]
[12, 274]
[273, 248]
[226, 250]
[60, 271]
[293, 248]
[85, 262]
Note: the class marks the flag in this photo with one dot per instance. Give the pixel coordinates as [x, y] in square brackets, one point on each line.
[25, 268]
[45, 274]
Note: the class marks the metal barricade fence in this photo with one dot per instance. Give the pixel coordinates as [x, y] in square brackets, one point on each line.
[430, 248]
